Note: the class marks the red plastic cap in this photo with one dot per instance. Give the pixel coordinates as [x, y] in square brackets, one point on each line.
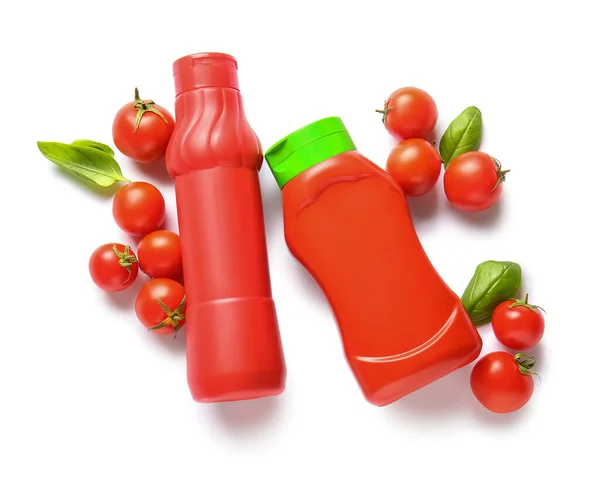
[205, 70]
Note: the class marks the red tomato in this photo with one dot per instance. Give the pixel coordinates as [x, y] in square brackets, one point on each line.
[160, 306]
[113, 267]
[517, 324]
[409, 112]
[473, 181]
[415, 165]
[139, 208]
[159, 254]
[502, 382]
[142, 129]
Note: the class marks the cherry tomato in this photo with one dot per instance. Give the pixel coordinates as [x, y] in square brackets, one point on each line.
[159, 254]
[142, 129]
[502, 382]
[160, 306]
[473, 181]
[409, 112]
[517, 324]
[139, 208]
[415, 165]
[113, 267]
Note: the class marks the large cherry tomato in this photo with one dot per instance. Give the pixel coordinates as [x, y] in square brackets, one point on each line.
[160, 306]
[142, 129]
[415, 165]
[159, 254]
[517, 324]
[113, 266]
[473, 181]
[409, 112]
[139, 208]
[502, 382]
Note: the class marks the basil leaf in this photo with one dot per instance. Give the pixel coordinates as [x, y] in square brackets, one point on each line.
[96, 145]
[462, 135]
[492, 283]
[89, 162]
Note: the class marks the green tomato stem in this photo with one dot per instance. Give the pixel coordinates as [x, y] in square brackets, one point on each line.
[126, 259]
[144, 106]
[501, 173]
[384, 112]
[525, 303]
[525, 363]
[173, 318]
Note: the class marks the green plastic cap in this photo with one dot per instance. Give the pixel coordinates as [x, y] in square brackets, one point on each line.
[306, 147]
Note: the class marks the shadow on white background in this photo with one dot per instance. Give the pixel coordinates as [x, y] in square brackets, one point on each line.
[251, 417]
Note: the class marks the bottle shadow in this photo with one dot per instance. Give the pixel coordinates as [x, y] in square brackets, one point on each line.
[445, 399]
[445, 396]
[249, 417]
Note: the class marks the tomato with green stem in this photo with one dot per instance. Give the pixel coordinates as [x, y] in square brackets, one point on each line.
[503, 383]
[408, 113]
[160, 306]
[517, 324]
[113, 267]
[473, 181]
[142, 129]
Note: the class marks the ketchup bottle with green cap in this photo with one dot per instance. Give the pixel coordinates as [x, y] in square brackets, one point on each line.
[348, 223]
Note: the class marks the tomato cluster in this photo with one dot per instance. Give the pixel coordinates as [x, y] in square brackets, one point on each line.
[472, 180]
[139, 209]
[141, 131]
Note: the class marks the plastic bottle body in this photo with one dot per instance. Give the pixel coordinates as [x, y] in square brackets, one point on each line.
[232, 337]
[348, 224]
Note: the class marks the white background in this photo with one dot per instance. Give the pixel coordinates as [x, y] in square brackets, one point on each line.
[91, 402]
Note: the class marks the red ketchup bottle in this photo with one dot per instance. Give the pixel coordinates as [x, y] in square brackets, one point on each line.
[347, 222]
[233, 344]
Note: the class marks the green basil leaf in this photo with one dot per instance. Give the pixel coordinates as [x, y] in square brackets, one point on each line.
[96, 145]
[462, 135]
[492, 283]
[91, 163]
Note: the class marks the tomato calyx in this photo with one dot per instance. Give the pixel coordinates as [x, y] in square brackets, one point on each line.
[173, 318]
[525, 303]
[386, 109]
[501, 173]
[144, 106]
[126, 259]
[525, 363]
